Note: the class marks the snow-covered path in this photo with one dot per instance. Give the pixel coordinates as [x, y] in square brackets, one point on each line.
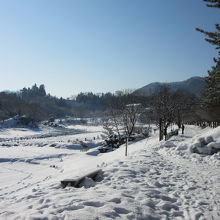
[151, 183]
[200, 186]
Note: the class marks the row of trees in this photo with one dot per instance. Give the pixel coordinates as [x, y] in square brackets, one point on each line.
[30, 93]
[11, 105]
[163, 109]
[169, 108]
[92, 101]
[33, 102]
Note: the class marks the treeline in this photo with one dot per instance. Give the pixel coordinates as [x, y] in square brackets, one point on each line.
[179, 100]
[168, 106]
[33, 102]
[93, 101]
[11, 104]
[51, 105]
[102, 101]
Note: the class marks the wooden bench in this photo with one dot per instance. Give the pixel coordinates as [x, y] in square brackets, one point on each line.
[172, 133]
[76, 182]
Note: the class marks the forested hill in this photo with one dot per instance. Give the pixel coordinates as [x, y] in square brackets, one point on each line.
[194, 85]
[33, 102]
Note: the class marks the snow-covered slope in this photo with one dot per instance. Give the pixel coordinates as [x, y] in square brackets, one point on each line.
[155, 180]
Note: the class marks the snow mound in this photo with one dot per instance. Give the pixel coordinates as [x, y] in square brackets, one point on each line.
[18, 121]
[207, 144]
[11, 122]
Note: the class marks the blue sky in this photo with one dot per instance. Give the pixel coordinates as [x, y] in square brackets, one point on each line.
[102, 45]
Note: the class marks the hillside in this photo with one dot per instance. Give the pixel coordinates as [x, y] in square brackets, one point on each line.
[194, 85]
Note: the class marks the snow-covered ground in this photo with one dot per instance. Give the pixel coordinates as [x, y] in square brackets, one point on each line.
[157, 180]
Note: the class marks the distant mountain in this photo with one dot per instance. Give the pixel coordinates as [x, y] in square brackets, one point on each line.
[194, 85]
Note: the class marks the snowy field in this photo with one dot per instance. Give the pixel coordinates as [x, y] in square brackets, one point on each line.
[157, 180]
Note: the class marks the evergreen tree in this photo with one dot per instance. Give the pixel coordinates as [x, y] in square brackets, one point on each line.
[213, 37]
[213, 3]
[212, 93]
[34, 90]
[41, 90]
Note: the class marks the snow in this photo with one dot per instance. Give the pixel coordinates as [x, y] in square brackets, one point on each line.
[90, 128]
[9, 122]
[157, 180]
[19, 132]
[205, 142]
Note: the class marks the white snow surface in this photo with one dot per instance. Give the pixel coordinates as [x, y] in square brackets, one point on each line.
[157, 180]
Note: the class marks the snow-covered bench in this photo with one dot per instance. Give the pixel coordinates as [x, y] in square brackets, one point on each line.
[76, 182]
[172, 133]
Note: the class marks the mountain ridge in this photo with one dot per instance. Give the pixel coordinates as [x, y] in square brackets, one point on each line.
[195, 85]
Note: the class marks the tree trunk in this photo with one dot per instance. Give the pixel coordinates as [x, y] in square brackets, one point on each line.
[160, 129]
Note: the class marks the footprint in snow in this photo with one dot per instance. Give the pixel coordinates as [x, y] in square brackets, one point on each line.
[93, 203]
[70, 208]
[111, 214]
[115, 200]
[168, 206]
[159, 185]
[167, 198]
[148, 202]
[41, 201]
[30, 207]
[43, 207]
[121, 210]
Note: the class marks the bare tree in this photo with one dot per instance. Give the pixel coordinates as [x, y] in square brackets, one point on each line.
[123, 114]
[164, 109]
[131, 114]
[112, 124]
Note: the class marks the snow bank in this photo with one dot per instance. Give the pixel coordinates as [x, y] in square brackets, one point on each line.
[11, 122]
[207, 143]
